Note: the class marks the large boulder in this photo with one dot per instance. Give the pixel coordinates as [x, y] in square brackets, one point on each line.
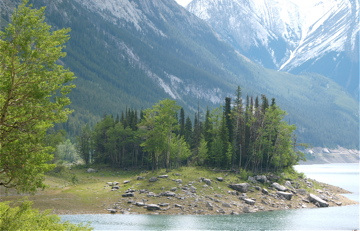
[279, 187]
[168, 194]
[243, 187]
[207, 181]
[128, 195]
[318, 201]
[152, 207]
[249, 201]
[261, 178]
[285, 195]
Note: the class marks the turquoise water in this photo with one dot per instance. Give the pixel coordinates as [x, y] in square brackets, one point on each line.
[334, 218]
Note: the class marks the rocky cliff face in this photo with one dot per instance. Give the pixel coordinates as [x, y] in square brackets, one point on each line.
[291, 35]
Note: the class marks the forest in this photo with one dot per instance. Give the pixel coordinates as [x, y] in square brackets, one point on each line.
[242, 134]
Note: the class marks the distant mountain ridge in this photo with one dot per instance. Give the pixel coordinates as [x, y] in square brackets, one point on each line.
[291, 35]
[132, 53]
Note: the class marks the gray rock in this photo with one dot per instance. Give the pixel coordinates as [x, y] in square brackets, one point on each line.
[140, 204]
[220, 179]
[163, 176]
[179, 181]
[164, 204]
[318, 201]
[285, 195]
[192, 189]
[91, 170]
[140, 178]
[261, 178]
[168, 194]
[265, 191]
[116, 187]
[288, 184]
[207, 181]
[173, 189]
[126, 182]
[112, 210]
[151, 194]
[220, 211]
[153, 179]
[251, 179]
[338, 203]
[128, 195]
[152, 207]
[143, 191]
[243, 187]
[209, 206]
[226, 205]
[249, 201]
[302, 192]
[246, 209]
[279, 187]
[178, 206]
[324, 197]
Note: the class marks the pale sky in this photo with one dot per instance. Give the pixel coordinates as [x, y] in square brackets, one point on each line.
[183, 2]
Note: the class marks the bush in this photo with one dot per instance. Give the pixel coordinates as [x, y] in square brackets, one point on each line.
[23, 217]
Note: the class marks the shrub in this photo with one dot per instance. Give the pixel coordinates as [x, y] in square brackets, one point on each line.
[23, 217]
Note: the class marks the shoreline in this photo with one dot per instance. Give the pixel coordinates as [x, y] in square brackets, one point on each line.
[182, 192]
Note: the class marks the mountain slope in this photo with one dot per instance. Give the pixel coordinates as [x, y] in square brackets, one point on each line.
[291, 35]
[134, 53]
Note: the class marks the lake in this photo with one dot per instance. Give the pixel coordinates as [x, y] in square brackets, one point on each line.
[333, 218]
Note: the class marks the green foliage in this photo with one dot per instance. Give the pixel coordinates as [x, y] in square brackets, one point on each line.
[160, 123]
[33, 89]
[261, 140]
[23, 217]
[67, 151]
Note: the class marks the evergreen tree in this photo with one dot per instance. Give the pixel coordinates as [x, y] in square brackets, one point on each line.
[182, 122]
[188, 130]
[84, 144]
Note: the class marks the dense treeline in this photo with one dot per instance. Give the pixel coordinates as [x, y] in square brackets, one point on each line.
[250, 135]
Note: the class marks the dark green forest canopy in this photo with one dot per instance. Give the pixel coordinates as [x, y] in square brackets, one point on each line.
[251, 135]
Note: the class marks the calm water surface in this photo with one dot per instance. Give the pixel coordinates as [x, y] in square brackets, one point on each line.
[334, 218]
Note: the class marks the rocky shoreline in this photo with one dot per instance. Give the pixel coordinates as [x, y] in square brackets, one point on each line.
[203, 196]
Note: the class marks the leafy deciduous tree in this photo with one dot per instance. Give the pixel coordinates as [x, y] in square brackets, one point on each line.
[33, 93]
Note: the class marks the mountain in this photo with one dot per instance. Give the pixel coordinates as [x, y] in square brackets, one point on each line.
[296, 36]
[132, 53]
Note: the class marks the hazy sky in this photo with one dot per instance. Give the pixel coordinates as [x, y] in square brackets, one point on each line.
[183, 2]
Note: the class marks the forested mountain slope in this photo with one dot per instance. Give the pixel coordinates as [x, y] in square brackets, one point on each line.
[134, 53]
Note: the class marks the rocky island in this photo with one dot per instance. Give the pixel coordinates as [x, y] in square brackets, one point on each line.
[186, 190]
[177, 194]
